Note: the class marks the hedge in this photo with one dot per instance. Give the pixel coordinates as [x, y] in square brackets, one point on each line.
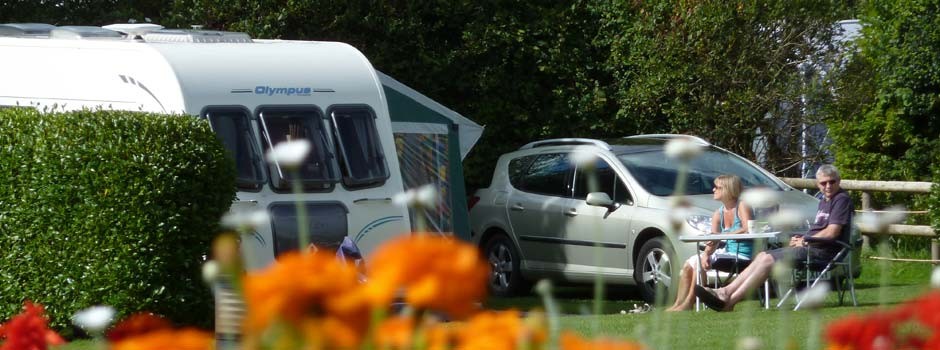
[114, 208]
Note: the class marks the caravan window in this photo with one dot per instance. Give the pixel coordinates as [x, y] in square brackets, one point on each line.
[361, 157]
[232, 127]
[318, 171]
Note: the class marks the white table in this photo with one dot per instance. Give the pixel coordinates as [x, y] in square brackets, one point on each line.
[722, 237]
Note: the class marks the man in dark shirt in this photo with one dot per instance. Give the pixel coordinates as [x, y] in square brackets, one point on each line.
[832, 215]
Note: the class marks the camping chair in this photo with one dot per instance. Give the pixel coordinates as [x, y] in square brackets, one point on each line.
[838, 270]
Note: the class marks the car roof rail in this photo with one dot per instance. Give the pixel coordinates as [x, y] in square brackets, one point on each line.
[566, 142]
[692, 138]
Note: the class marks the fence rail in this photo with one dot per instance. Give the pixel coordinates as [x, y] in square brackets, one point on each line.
[867, 187]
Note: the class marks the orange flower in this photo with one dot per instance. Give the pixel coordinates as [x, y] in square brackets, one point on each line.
[438, 273]
[29, 330]
[301, 290]
[499, 330]
[137, 324]
[440, 336]
[395, 333]
[183, 339]
[571, 341]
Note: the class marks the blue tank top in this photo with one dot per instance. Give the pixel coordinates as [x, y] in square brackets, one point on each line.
[744, 248]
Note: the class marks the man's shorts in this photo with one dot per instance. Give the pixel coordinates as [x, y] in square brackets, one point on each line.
[816, 255]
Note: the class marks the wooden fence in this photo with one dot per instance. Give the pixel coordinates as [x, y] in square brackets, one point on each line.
[867, 187]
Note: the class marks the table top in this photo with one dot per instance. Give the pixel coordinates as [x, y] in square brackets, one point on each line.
[724, 236]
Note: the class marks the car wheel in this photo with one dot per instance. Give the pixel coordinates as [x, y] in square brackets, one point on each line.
[505, 277]
[653, 270]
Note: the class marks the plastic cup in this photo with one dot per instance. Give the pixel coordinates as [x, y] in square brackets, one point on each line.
[752, 226]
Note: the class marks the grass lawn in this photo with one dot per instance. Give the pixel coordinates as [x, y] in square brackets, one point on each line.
[776, 329]
[707, 329]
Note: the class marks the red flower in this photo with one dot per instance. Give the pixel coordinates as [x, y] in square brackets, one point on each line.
[863, 333]
[913, 325]
[137, 324]
[176, 339]
[29, 330]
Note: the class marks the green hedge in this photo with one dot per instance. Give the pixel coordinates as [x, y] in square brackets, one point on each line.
[114, 208]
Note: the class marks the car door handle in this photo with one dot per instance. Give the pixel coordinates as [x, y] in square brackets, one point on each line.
[516, 207]
[571, 212]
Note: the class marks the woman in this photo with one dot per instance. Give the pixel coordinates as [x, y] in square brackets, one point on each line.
[727, 219]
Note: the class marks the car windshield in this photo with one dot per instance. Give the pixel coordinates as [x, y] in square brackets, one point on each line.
[657, 173]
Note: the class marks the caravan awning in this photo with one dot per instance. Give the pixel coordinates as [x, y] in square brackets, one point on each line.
[469, 132]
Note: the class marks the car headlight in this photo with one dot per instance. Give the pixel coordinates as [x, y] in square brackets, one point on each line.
[701, 223]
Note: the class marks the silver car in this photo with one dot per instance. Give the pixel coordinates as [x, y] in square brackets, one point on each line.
[539, 220]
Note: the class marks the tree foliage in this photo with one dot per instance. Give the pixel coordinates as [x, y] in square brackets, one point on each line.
[726, 70]
[885, 121]
[887, 124]
[82, 12]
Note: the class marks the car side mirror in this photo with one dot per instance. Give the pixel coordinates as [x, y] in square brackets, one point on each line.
[600, 199]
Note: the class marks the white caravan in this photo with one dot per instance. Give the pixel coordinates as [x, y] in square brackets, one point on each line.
[255, 93]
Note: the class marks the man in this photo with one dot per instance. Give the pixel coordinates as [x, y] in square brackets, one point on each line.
[832, 215]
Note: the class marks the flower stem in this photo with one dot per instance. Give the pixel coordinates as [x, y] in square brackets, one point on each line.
[883, 250]
[303, 238]
[598, 256]
[812, 341]
[544, 289]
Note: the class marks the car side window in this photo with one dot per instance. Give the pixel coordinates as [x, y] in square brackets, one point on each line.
[549, 174]
[517, 169]
[607, 182]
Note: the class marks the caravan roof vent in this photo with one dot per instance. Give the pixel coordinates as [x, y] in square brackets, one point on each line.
[25, 29]
[84, 32]
[195, 36]
[134, 30]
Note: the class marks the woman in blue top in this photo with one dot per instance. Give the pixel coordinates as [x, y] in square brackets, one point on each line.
[729, 218]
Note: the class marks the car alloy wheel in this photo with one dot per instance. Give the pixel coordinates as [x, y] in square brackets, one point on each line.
[654, 270]
[504, 266]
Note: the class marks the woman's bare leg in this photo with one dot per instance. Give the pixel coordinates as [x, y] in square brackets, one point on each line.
[685, 292]
[689, 302]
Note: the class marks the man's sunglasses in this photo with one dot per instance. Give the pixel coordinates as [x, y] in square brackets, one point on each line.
[830, 182]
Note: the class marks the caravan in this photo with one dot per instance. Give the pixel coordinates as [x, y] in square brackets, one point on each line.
[255, 94]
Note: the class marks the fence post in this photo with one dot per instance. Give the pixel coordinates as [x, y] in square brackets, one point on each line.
[866, 206]
[934, 250]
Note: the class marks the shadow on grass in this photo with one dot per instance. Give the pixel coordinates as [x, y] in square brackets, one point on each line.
[573, 300]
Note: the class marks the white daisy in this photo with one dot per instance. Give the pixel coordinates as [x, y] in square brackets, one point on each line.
[94, 319]
[786, 218]
[760, 197]
[879, 222]
[245, 220]
[289, 154]
[683, 149]
[584, 157]
[815, 297]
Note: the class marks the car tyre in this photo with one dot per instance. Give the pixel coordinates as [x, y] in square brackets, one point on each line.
[505, 276]
[654, 271]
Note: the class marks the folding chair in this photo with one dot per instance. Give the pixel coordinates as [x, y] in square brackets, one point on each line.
[838, 270]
